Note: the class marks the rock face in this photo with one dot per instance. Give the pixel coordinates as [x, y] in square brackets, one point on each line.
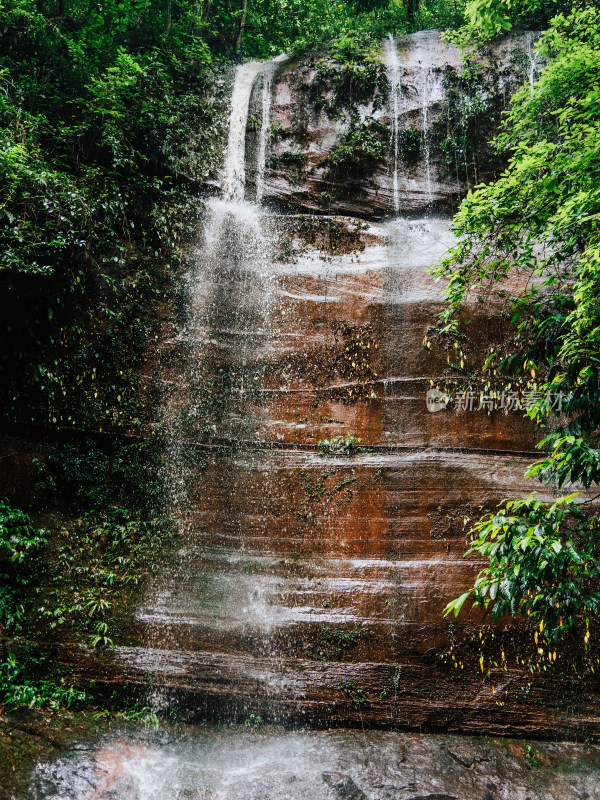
[311, 579]
[311, 587]
[429, 114]
[256, 763]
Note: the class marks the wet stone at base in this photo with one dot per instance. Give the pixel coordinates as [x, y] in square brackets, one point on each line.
[248, 763]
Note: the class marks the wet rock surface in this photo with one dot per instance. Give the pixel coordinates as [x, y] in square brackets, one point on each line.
[309, 586]
[310, 581]
[253, 763]
[308, 117]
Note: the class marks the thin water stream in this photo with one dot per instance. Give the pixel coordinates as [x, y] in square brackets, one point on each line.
[267, 74]
[533, 58]
[419, 94]
[393, 67]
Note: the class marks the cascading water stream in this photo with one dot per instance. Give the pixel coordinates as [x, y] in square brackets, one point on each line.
[430, 91]
[268, 73]
[229, 289]
[264, 134]
[393, 69]
[533, 58]
[234, 172]
[233, 181]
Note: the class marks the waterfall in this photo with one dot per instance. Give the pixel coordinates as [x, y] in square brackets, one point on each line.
[532, 56]
[430, 91]
[233, 181]
[240, 511]
[224, 344]
[393, 68]
[264, 134]
[234, 171]
[308, 582]
[267, 72]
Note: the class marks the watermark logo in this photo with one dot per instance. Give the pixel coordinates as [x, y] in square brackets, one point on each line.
[436, 400]
[470, 400]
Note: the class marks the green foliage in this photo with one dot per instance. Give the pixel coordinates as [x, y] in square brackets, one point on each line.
[340, 89]
[289, 158]
[95, 563]
[19, 689]
[359, 151]
[254, 721]
[264, 28]
[472, 113]
[80, 578]
[393, 685]
[19, 543]
[543, 563]
[410, 143]
[356, 47]
[438, 14]
[339, 445]
[21, 554]
[276, 26]
[139, 713]
[314, 489]
[341, 638]
[488, 19]
[94, 474]
[541, 218]
[74, 582]
[102, 117]
[320, 492]
[532, 755]
[354, 692]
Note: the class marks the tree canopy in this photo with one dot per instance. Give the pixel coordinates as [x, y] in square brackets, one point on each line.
[541, 219]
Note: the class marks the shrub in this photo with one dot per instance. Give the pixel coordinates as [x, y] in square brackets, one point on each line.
[21, 552]
[359, 150]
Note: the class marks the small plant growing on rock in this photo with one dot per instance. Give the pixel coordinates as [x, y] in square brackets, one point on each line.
[410, 143]
[340, 89]
[393, 685]
[359, 151]
[532, 755]
[339, 445]
[354, 353]
[353, 691]
[289, 158]
[277, 131]
[341, 637]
